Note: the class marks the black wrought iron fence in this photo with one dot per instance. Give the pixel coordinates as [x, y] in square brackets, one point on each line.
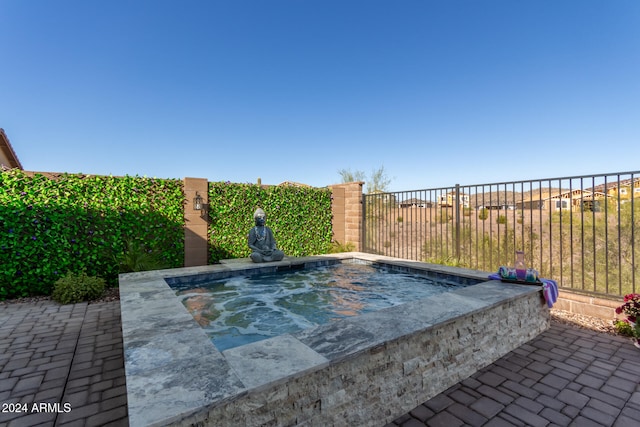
[583, 231]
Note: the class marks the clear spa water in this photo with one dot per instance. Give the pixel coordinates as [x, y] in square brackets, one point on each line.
[243, 309]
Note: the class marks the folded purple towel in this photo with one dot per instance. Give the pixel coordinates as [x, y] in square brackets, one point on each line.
[550, 291]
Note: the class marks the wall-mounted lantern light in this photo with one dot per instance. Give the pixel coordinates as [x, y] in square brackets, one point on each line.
[198, 203]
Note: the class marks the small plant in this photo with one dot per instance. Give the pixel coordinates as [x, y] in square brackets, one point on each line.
[137, 258]
[73, 288]
[400, 219]
[502, 219]
[623, 327]
[629, 326]
[467, 211]
[449, 261]
[483, 214]
[337, 247]
[558, 217]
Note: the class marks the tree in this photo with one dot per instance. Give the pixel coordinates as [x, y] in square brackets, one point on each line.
[378, 181]
[348, 176]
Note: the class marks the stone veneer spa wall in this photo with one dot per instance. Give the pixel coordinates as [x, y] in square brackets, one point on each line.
[363, 371]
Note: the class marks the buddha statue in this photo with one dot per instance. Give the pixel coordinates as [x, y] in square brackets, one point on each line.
[261, 240]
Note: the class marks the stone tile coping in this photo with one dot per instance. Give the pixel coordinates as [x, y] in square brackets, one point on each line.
[173, 369]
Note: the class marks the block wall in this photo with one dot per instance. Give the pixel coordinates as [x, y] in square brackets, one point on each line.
[346, 208]
[587, 305]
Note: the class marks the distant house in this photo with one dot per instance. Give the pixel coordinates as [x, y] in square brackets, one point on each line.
[293, 184]
[449, 200]
[8, 157]
[564, 200]
[623, 189]
[498, 207]
[530, 203]
[501, 200]
[416, 203]
[574, 200]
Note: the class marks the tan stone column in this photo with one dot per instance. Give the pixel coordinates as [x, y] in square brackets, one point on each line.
[346, 208]
[195, 223]
[337, 214]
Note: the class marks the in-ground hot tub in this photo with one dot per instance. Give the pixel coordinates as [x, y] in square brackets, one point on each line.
[362, 370]
[240, 309]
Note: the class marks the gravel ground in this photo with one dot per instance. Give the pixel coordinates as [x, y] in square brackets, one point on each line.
[585, 322]
[577, 320]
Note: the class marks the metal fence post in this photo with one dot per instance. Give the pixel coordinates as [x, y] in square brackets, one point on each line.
[363, 237]
[457, 213]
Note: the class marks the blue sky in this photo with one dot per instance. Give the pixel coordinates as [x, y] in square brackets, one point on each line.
[437, 92]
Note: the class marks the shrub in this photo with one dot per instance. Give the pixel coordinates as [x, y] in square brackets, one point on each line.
[78, 287]
[337, 247]
[483, 214]
[449, 261]
[502, 219]
[624, 328]
[558, 217]
[136, 257]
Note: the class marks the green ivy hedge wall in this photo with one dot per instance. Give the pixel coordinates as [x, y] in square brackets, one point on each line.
[300, 218]
[80, 223]
[77, 223]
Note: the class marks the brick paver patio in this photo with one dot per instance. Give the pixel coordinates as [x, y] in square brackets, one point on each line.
[62, 354]
[71, 358]
[567, 376]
